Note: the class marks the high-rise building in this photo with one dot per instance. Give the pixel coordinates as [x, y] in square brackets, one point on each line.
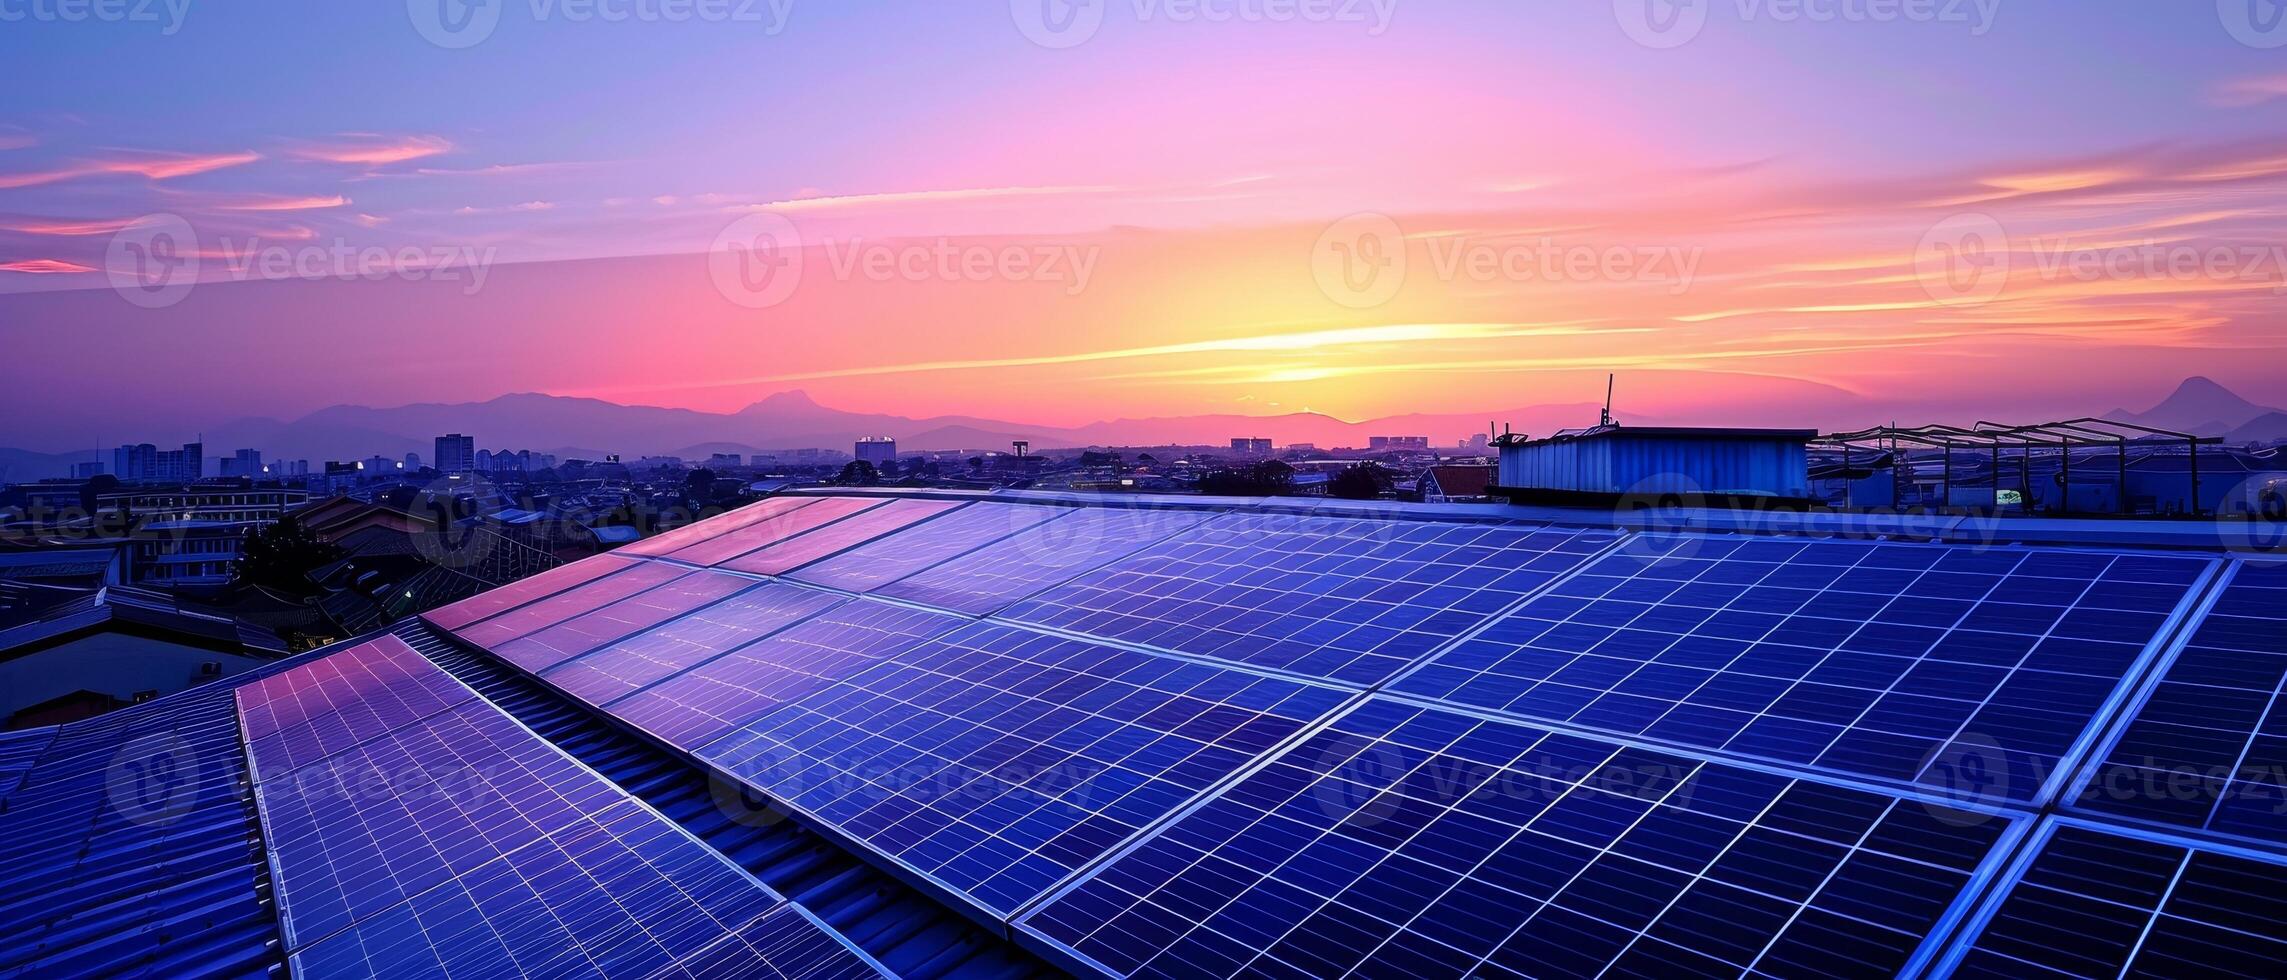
[1397, 443]
[876, 450]
[1251, 446]
[245, 462]
[456, 453]
[146, 463]
[86, 471]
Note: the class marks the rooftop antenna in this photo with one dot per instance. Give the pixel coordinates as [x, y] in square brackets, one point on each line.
[1607, 400]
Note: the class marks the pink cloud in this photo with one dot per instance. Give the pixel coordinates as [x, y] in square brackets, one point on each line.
[155, 166]
[282, 203]
[39, 226]
[2240, 92]
[372, 150]
[43, 266]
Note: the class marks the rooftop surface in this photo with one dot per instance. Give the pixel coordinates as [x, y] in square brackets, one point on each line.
[1003, 734]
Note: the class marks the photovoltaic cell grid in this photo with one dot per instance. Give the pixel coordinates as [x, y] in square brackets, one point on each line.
[693, 708]
[380, 823]
[463, 844]
[301, 716]
[580, 600]
[982, 581]
[1970, 671]
[1420, 842]
[997, 761]
[542, 649]
[820, 512]
[885, 560]
[619, 894]
[1349, 600]
[525, 590]
[620, 669]
[2100, 905]
[690, 534]
[2207, 749]
[802, 549]
[786, 944]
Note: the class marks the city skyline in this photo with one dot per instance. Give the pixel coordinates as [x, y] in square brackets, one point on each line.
[1531, 198]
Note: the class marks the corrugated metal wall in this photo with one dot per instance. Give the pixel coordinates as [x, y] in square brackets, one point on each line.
[1622, 463]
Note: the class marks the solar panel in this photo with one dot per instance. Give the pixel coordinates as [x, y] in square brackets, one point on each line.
[824, 542]
[525, 590]
[771, 530]
[997, 761]
[2095, 904]
[1973, 671]
[300, 716]
[586, 598]
[380, 823]
[2206, 748]
[620, 894]
[546, 648]
[697, 706]
[690, 534]
[880, 562]
[1422, 842]
[786, 944]
[622, 668]
[1021, 564]
[1339, 598]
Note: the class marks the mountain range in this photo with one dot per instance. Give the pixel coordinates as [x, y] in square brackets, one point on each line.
[591, 428]
[2204, 408]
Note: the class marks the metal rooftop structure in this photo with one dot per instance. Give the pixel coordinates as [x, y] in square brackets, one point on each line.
[1010, 734]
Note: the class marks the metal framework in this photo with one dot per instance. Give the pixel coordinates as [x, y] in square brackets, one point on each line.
[1995, 437]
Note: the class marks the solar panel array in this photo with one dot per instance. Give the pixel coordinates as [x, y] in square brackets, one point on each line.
[1425, 842]
[416, 829]
[1180, 741]
[2206, 748]
[1345, 599]
[1889, 661]
[2097, 904]
[997, 761]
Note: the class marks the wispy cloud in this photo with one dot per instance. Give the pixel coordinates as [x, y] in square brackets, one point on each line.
[370, 149]
[155, 166]
[44, 266]
[2242, 92]
[43, 226]
[824, 202]
[270, 203]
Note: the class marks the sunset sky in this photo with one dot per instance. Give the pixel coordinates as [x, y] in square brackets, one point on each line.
[1929, 212]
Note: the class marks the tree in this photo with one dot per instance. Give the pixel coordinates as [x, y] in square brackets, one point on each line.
[859, 473]
[1365, 481]
[1268, 478]
[280, 556]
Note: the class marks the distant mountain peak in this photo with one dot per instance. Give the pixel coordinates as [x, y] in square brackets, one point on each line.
[2199, 405]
